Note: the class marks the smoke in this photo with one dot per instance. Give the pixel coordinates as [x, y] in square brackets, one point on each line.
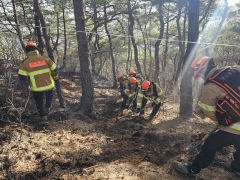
[205, 44]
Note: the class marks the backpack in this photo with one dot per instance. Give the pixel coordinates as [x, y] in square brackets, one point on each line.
[228, 107]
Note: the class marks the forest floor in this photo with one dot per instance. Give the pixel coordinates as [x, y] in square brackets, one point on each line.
[104, 146]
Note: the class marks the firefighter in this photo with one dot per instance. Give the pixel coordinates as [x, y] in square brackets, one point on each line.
[149, 91]
[131, 93]
[138, 77]
[40, 73]
[132, 74]
[220, 101]
[122, 82]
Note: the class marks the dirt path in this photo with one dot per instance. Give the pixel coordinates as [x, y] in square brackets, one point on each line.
[104, 146]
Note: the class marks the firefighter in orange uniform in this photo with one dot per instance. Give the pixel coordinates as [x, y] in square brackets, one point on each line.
[40, 72]
[138, 77]
[132, 74]
[131, 92]
[149, 91]
[220, 101]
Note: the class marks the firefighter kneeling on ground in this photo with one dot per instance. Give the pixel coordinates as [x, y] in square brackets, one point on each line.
[149, 91]
[41, 73]
[131, 92]
[220, 101]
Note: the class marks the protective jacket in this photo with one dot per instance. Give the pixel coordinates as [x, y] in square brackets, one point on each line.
[209, 98]
[155, 95]
[139, 79]
[122, 83]
[39, 70]
[132, 90]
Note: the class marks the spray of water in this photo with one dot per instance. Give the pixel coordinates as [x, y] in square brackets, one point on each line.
[204, 45]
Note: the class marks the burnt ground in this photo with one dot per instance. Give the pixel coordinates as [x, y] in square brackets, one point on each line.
[107, 145]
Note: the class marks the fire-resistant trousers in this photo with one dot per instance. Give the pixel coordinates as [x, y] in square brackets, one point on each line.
[39, 100]
[156, 107]
[214, 143]
[130, 101]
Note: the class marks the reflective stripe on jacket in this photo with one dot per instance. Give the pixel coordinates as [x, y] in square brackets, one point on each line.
[236, 126]
[131, 91]
[152, 96]
[39, 70]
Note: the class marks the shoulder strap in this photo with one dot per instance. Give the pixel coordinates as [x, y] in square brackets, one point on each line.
[227, 79]
[217, 73]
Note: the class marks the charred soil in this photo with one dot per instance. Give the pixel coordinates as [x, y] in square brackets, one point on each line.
[105, 145]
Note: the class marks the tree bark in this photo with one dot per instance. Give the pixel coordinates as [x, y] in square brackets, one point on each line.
[38, 31]
[111, 48]
[135, 48]
[158, 42]
[86, 103]
[129, 51]
[186, 84]
[19, 33]
[57, 40]
[38, 34]
[145, 47]
[165, 52]
[94, 54]
[65, 37]
[181, 39]
[44, 29]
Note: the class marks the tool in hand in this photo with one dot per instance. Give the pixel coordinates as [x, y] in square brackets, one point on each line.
[202, 140]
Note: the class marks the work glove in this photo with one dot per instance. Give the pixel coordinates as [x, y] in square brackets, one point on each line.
[158, 100]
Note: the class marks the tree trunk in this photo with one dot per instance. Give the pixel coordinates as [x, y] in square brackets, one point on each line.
[38, 31]
[65, 37]
[145, 47]
[38, 34]
[111, 48]
[94, 54]
[158, 42]
[131, 25]
[86, 103]
[181, 39]
[149, 75]
[165, 52]
[49, 49]
[186, 84]
[57, 40]
[128, 52]
[17, 23]
[44, 29]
